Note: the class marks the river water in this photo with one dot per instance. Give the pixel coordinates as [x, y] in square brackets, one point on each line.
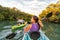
[51, 30]
[7, 30]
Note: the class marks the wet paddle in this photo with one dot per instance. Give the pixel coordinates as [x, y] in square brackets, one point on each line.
[49, 15]
[12, 35]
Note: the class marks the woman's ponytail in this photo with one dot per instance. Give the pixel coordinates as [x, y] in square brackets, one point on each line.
[38, 25]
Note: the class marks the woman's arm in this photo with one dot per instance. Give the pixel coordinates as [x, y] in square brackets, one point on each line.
[27, 28]
[41, 24]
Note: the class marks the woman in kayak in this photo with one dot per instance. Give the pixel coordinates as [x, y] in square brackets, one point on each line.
[35, 26]
[32, 30]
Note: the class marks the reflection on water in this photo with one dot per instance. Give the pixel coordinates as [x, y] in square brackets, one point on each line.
[7, 31]
[7, 26]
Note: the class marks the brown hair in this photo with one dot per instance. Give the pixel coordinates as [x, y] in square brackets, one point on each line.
[36, 20]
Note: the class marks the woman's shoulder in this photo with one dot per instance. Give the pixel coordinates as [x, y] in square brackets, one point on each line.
[30, 25]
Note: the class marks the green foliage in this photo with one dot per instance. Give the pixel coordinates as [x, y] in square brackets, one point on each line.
[11, 14]
[1, 17]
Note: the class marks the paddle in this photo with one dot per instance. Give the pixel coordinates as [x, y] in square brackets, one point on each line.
[49, 15]
[12, 35]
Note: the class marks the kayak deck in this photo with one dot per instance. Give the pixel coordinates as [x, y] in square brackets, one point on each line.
[42, 36]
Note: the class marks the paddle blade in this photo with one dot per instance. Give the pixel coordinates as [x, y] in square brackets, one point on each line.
[49, 15]
[10, 36]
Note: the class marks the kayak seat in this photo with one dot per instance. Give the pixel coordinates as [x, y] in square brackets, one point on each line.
[34, 35]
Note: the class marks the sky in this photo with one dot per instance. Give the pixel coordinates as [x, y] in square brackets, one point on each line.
[34, 7]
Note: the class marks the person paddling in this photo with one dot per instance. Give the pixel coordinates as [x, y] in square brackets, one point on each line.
[34, 28]
[20, 20]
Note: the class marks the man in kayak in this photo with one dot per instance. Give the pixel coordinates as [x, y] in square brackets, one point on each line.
[20, 24]
[21, 21]
[34, 27]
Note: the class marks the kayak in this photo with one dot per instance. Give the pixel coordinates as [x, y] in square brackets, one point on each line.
[15, 30]
[42, 36]
[16, 27]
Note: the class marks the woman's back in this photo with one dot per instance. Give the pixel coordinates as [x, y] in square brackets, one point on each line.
[35, 27]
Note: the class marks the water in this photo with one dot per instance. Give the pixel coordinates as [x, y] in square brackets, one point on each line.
[51, 30]
[8, 31]
[7, 26]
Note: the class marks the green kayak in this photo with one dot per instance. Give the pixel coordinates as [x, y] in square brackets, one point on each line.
[16, 27]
